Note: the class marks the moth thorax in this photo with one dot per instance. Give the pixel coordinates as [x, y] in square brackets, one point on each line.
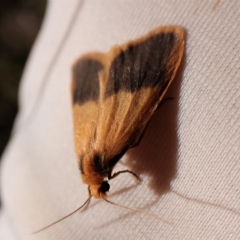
[99, 190]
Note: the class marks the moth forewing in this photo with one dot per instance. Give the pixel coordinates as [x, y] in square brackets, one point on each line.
[138, 74]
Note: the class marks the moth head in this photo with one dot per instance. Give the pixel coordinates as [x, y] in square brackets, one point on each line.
[99, 190]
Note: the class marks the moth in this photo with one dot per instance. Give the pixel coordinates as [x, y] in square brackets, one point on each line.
[114, 95]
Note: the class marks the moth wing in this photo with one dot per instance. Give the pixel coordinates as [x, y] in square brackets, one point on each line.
[137, 76]
[85, 100]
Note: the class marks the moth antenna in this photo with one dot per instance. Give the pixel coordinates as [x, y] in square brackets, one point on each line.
[50, 225]
[138, 210]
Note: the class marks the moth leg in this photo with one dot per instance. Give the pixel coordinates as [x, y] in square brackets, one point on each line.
[124, 171]
[164, 100]
[89, 195]
[89, 191]
[136, 144]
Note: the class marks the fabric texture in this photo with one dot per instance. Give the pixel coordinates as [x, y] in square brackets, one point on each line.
[189, 158]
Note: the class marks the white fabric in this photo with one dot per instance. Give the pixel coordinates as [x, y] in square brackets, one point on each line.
[189, 159]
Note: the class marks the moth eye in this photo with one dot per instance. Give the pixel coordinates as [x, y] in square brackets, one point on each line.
[104, 187]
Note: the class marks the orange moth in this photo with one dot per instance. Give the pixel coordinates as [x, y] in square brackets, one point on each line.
[114, 95]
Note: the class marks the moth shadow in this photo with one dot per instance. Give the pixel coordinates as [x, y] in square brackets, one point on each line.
[156, 156]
